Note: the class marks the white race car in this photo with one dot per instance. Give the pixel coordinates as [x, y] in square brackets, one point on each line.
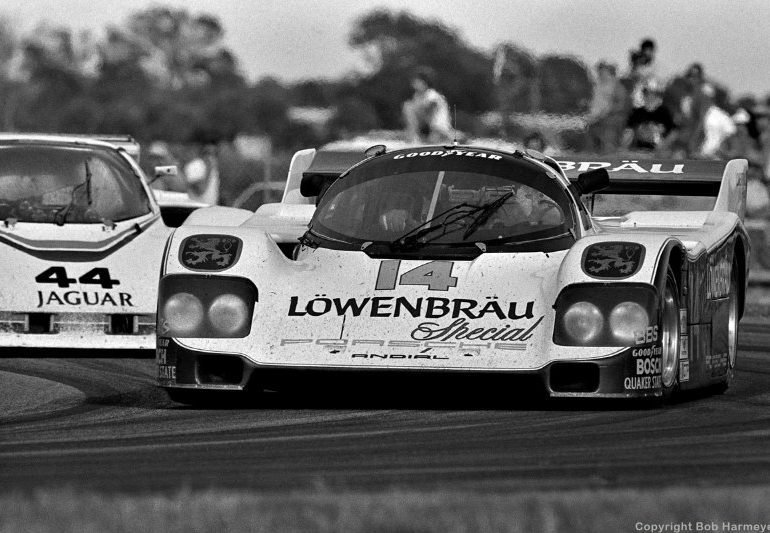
[611, 279]
[81, 239]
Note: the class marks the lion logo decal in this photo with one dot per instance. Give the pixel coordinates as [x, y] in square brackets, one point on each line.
[613, 259]
[210, 252]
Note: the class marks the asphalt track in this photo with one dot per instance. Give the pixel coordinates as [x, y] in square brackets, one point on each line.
[102, 424]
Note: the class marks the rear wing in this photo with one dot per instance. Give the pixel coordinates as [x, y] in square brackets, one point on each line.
[322, 164]
[725, 180]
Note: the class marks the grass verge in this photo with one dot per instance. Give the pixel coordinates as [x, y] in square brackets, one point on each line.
[667, 510]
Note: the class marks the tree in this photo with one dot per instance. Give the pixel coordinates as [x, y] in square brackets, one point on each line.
[178, 49]
[396, 44]
[565, 84]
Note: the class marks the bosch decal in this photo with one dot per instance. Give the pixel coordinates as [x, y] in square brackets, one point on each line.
[613, 260]
[210, 253]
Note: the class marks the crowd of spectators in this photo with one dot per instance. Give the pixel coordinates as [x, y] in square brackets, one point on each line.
[681, 117]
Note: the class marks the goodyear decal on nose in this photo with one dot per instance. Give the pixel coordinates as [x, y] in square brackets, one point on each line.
[210, 253]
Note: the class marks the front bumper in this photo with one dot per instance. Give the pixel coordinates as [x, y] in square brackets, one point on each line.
[76, 331]
[630, 373]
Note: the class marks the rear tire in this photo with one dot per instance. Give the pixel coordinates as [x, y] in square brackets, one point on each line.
[669, 334]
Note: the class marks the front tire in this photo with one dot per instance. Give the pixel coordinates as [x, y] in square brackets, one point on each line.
[669, 319]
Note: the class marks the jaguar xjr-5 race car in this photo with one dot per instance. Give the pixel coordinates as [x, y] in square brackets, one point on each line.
[81, 240]
[610, 279]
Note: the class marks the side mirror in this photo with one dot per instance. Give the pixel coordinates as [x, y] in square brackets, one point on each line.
[169, 170]
[593, 181]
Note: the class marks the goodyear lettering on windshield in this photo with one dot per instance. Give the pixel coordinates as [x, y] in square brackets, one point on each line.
[447, 153]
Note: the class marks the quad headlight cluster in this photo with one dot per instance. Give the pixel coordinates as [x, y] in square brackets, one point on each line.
[599, 314]
[205, 306]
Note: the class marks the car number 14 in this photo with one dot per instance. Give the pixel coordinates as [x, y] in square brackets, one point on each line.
[436, 275]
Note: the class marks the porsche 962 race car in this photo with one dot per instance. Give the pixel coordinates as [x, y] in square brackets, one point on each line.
[81, 240]
[611, 279]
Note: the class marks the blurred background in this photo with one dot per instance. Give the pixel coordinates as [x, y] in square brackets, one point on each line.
[234, 88]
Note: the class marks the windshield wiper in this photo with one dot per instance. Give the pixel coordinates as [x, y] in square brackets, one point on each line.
[483, 211]
[61, 215]
[486, 212]
[416, 233]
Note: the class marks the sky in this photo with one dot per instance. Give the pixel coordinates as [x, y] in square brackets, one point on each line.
[300, 39]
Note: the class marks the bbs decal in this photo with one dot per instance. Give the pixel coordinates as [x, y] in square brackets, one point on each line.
[436, 275]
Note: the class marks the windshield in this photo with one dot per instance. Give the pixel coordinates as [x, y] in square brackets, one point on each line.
[443, 201]
[67, 184]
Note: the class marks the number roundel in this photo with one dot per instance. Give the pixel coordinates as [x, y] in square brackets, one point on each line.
[96, 276]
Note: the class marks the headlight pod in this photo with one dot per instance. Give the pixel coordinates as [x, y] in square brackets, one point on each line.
[205, 306]
[604, 314]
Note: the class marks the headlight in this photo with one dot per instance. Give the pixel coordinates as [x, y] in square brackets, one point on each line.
[626, 319]
[583, 322]
[228, 313]
[183, 313]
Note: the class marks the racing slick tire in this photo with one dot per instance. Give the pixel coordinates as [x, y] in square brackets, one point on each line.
[669, 318]
[733, 318]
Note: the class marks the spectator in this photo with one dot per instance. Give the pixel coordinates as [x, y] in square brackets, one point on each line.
[642, 70]
[693, 107]
[649, 126]
[608, 109]
[535, 141]
[426, 114]
[718, 127]
[159, 155]
[202, 175]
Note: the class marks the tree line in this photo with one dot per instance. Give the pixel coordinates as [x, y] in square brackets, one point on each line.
[164, 73]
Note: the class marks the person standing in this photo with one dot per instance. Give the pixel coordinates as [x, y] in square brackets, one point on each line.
[202, 175]
[608, 109]
[426, 114]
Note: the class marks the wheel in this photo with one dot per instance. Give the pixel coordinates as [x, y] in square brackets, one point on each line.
[732, 330]
[669, 335]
